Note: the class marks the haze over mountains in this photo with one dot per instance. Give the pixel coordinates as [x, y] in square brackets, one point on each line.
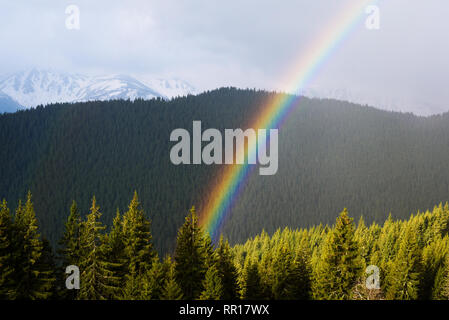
[40, 87]
[35, 87]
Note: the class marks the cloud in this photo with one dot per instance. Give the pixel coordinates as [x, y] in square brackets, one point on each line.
[249, 43]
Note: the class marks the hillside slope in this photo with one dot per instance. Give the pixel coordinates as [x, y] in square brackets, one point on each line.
[332, 155]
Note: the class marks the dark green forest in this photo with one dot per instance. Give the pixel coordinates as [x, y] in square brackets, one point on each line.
[332, 154]
[409, 259]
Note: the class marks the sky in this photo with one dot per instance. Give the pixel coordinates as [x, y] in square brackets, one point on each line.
[404, 65]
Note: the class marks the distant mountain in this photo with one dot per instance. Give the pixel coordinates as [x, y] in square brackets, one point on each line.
[7, 104]
[34, 87]
[418, 104]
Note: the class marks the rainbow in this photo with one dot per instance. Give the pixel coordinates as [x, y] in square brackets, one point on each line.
[224, 193]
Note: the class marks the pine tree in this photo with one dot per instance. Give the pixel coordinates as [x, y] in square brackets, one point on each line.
[190, 258]
[114, 249]
[70, 241]
[340, 265]
[156, 277]
[47, 265]
[434, 258]
[32, 279]
[98, 281]
[7, 290]
[227, 270]
[212, 284]
[406, 268]
[301, 274]
[171, 290]
[281, 273]
[251, 282]
[137, 239]
[133, 287]
[70, 249]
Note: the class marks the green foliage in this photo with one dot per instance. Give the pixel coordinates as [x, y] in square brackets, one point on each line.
[137, 237]
[171, 290]
[98, 281]
[251, 282]
[322, 262]
[340, 265]
[32, 277]
[406, 267]
[6, 262]
[190, 257]
[70, 242]
[212, 284]
[227, 271]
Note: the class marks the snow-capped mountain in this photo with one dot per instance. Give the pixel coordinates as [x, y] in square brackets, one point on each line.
[35, 87]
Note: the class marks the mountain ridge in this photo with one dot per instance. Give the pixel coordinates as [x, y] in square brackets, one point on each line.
[35, 87]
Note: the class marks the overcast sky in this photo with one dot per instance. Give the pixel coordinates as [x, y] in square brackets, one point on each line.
[243, 43]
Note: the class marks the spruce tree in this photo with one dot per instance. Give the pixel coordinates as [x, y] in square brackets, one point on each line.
[70, 245]
[190, 258]
[300, 275]
[156, 277]
[114, 249]
[406, 268]
[137, 239]
[171, 290]
[212, 284]
[7, 290]
[281, 272]
[32, 279]
[339, 267]
[98, 281]
[251, 282]
[227, 270]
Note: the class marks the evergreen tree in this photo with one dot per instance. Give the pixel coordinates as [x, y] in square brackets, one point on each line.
[227, 271]
[70, 241]
[434, 258]
[300, 275]
[406, 268]
[251, 282]
[190, 257]
[171, 290]
[282, 267]
[32, 279]
[138, 247]
[7, 290]
[212, 284]
[114, 249]
[340, 265]
[156, 277]
[98, 281]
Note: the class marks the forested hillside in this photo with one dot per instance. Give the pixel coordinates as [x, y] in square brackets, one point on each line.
[332, 155]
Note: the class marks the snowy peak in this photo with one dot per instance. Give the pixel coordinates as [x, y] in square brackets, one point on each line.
[35, 87]
[168, 87]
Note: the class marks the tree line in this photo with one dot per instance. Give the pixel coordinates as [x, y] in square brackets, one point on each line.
[320, 262]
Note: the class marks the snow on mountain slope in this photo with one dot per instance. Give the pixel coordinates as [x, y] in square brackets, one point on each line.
[7, 104]
[168, 87]
[35, 87]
